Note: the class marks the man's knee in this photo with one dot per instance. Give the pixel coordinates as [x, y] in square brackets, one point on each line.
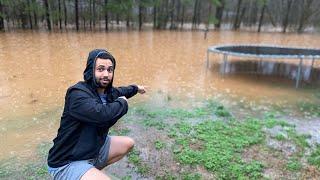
[129, 143]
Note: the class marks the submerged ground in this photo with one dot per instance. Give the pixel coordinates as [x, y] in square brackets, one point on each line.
[194, 122]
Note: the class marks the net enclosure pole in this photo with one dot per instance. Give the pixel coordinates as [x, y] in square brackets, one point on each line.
[208, 57]
[299, 73]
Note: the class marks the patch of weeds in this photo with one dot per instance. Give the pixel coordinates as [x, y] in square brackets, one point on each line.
[191, 176]
[280, 137]
[270, 115]
[143, 169]
[309, 107]
[119, 132]
[183, 127]
[218, 109]
[172, 132]
[160, 125]
[134, 158]
[314, 158]
[222, 112]
[272, 122]
[293, 165]
[36, 169]
[128, 177]
[299, 140]
[159, 145]
[222, 144]
[167, 176]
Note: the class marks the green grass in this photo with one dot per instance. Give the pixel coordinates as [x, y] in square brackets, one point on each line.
[134, 158]
[12, 168]
[294, 165]
[220, 147]
[309, 108]
[314, 158]
[159, 145]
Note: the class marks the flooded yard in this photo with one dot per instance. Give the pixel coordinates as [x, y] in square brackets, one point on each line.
[168, 123]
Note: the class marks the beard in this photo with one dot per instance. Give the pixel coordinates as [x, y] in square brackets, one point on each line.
[103, 82]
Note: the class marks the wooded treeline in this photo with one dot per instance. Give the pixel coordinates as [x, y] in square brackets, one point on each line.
[278, 15]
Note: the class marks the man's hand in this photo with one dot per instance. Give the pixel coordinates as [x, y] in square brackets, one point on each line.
[141, 89]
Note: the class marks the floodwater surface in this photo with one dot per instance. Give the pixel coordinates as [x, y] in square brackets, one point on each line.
[36, 68]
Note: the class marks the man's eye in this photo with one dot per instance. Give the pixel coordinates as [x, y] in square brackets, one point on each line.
[110, 69]
[100, 69]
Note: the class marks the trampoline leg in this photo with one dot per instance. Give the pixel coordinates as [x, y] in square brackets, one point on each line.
[299, 73]
[260, 66]
[312, 63]
[225, 58]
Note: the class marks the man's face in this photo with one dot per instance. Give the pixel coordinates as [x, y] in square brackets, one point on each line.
[103, 72]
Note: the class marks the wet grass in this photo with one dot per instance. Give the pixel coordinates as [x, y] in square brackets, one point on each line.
[141, 167]
[314, 158]
[36, 168]
[209, 137]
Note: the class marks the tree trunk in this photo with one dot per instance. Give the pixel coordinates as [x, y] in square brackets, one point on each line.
[106, 14]
[94, 13]
[178, 11]
[219, 13]
[194, 18]
[286, 17]
[65, 14]
[90, 12]
[1, 18]
[29, 14]
[182, 15]
[47, 14]
[209, 15]
[172, 22]
[261, 16]
[60, 20]
[237, 19]
[140, 15]
[154, 17]
[35, 16]
[77, 14]
[305, 14]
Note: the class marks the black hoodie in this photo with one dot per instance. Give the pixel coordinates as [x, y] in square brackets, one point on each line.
[85, 121]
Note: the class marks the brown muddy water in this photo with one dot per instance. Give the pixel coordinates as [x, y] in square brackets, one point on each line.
[36, 68]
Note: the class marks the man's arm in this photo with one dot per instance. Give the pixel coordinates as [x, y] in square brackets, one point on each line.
[90, 110]
[130, 91]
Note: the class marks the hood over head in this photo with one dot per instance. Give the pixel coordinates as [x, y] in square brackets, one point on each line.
[88, 74]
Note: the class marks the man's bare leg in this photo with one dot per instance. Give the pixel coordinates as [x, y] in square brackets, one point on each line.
[119, 147]
[94, 174]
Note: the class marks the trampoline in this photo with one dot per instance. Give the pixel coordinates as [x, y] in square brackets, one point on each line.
[264, 52]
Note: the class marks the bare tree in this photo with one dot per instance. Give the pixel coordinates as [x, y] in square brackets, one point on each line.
[264, 5]
[1, 17]
[236, 23]
[285, 21]
[47, 14]
[219, 13]
[59, 12]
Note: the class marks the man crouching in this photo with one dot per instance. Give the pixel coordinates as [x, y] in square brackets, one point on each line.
[82, 146]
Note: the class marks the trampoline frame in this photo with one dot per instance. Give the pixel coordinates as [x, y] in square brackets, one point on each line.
[214, 49]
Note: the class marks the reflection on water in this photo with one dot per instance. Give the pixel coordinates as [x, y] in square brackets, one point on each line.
[36, 68]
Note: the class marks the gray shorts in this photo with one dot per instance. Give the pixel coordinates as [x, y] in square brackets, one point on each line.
[76, 169]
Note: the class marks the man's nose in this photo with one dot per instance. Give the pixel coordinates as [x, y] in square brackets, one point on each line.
[106, 73]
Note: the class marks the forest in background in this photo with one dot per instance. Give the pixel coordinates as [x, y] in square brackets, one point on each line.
[277, 15]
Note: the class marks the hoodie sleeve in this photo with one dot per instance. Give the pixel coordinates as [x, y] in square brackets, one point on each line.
[87, 109]
[128, 91]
